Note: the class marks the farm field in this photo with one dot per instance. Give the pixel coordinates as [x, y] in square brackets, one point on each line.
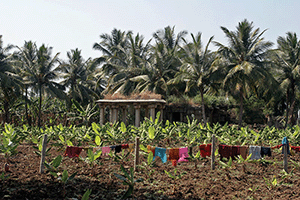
[25, 182]
[65, 113]
[241, 179]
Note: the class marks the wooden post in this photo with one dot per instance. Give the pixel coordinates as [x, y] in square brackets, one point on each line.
[137, 155]
[213, 148]
[285, 160]
[43, 153]
[191, 150]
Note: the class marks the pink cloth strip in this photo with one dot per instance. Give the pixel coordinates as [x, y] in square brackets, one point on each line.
[105, 150]
[183, 153]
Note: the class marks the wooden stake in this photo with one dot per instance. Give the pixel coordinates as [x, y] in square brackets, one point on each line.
[137, 155]
[213, 148]
[191, 150]
[43, 154]
[285, 160]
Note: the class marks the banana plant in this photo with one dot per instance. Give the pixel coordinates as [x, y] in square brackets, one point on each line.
[175, 176]
[53, 166]
[194, 158]
[272, 183]
[9, 142]
[61, 136]
[87, 194]
[226, 165]
[151, 131]
[91, 158]
[84, 114]
[39, 146]
[170, 131]
[3, 177]
[149, 164]
[128, 179]
[64, 178]
[64, 142]
[115, 134]
[123, 157]
[243, 161]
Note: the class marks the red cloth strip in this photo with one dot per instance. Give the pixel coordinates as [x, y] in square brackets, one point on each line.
[73, 151]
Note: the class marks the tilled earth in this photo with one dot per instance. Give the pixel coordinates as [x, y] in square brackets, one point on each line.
[262, 179]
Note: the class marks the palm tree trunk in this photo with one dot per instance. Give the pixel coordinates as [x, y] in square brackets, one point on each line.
[241, 108]
[40, 105]
[293, 102]
[203, 106]
[6, 111]
[66, 121]
[69, 106]
[291, 112]
[26, 107]
[287, 109]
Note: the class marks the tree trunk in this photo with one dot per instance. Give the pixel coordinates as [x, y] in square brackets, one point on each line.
[287, 109]
[40, 106]
[6, 111]
[203, 106]
[241, 109]
[292, 107]
[66, 119]
[291, 112]
[69, 106]
[26, 107]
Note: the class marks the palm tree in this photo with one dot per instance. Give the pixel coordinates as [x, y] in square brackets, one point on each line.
[153, 78]
[95, 81]
[8, 86]
[42, 76]
[162, 64]
[287, 72]
[196, 68]
[136, 55]
[75, 76]
[156, 73]
[166, 47]
[124, 56]
[27, 58]
[168, 38]
[113, 58]
[110, 46]
[243, 60]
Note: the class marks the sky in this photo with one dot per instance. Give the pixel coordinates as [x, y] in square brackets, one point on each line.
[70, 24]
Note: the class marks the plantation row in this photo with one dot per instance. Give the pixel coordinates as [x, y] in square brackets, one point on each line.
[150, 133]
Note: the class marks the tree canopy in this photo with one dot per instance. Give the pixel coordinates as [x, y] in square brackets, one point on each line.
[169, 64]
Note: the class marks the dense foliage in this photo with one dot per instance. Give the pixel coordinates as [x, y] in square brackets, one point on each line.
[37, 88]
[150, 133]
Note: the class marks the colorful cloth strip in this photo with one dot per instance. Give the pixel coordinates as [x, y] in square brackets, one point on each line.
[205, 150]
[72, 152]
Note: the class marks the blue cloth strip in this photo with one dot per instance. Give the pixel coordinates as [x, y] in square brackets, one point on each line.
[161, 152]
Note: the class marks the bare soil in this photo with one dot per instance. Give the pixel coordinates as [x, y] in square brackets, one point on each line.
[260, 180]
